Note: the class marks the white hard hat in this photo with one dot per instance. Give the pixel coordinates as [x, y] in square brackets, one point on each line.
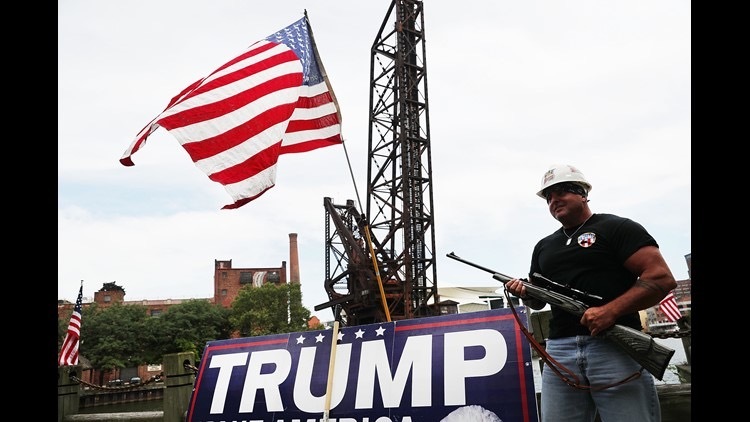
[560, 173]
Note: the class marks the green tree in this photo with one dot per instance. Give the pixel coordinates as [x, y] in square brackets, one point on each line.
[186, 327]
[62, 329]
[113, 338]
[269, 309]
[122, 336]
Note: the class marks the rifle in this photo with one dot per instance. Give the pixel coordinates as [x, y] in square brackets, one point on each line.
[651, 355]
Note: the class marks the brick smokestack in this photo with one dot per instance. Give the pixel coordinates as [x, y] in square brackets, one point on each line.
[293, 259]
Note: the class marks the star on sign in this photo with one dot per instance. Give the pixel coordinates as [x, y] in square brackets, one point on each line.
[341, 336]
[380, 331]
[319, 338]
[359, 333]
[300, 339]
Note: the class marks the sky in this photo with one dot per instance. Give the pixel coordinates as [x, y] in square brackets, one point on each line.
[514, 87]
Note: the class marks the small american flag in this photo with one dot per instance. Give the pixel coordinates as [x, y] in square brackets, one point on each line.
[668, 306]
[273, 99]
[69, 349]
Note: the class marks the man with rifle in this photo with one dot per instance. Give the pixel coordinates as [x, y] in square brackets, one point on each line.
[599, 255]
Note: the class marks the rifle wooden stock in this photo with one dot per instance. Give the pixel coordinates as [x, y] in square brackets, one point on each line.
[651, 355]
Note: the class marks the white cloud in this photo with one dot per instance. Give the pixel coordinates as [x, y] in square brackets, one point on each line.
[522, 85]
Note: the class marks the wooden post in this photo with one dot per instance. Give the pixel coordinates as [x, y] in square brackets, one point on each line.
[539, 322]
[178, 384]
[686, 341]
[68, 391]
[540, 325]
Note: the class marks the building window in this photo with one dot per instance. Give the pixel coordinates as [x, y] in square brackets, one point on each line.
[223, 292]
[498, 303]
[448, 309]
[107, 298]
[155, 312]
[273, 277]
[246, 277]
[223, 274]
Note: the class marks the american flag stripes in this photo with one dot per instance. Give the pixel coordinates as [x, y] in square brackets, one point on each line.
[272, 99]
[69, 349]
[668, 306]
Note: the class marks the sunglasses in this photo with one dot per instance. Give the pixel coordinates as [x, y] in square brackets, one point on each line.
[561, 188]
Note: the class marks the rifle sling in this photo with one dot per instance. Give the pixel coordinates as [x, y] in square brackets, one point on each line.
[565, 374]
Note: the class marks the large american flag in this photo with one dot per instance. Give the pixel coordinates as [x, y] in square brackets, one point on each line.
[668, 306]
[273, 99]
[69, 349]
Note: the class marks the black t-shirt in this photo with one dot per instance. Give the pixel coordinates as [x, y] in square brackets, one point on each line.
[592, 263]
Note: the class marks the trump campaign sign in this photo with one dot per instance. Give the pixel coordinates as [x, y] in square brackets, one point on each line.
[472, 367]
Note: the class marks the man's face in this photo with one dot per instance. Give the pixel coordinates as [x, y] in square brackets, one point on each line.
[561, 188]
[564, 198]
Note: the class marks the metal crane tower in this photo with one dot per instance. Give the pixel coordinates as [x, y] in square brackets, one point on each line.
[396, 278]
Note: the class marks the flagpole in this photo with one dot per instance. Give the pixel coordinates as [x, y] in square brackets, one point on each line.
[69, 350]
[322, 69]
[331, 364]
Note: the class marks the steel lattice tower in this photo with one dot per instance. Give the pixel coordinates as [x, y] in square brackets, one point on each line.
[399, 189]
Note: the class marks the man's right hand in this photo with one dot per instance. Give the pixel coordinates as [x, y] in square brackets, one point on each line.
[516, 288]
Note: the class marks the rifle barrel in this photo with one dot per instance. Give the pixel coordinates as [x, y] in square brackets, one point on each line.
[458, 258]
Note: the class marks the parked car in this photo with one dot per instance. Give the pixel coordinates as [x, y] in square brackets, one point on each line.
[114, 383]
[135, 380]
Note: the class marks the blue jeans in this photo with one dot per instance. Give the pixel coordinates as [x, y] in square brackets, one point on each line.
[597, 362]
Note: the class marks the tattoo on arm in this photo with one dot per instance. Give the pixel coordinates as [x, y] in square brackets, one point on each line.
[650, 285]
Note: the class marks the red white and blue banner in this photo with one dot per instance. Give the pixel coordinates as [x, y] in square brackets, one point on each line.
[463, 367]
